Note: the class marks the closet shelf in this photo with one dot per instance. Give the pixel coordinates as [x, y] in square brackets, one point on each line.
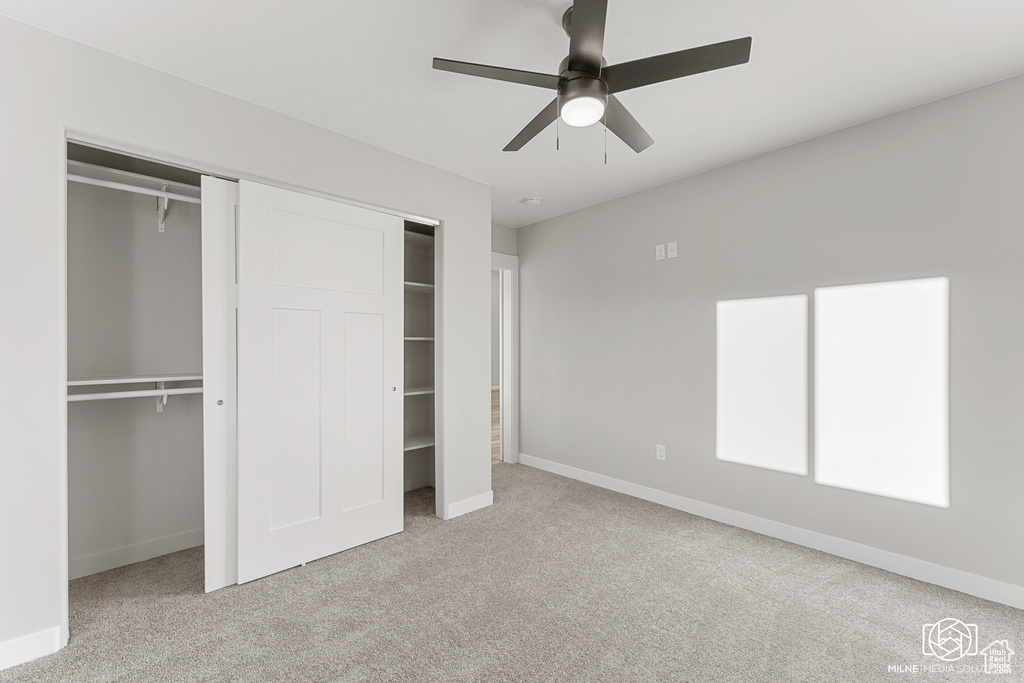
[419, 339]
[132, 379]
[90, 174]
[418, 239]
[418, 288]
[131, 188]
[421, 441]
[147, 393]
[418, 391]
[159, 392]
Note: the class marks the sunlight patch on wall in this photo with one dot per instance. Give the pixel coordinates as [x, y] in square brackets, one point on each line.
[762, 382]
[881, 386]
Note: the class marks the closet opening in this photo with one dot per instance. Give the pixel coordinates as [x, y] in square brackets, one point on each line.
[420, 356]
[134, 360]
[162, 361]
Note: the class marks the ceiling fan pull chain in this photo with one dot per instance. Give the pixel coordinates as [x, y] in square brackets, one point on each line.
[558, 130]
[606, 138]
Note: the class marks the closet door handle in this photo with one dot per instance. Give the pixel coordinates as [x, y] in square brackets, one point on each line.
[220, 402]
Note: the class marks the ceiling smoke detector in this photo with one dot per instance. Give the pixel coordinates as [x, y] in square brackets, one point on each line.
[531, 201]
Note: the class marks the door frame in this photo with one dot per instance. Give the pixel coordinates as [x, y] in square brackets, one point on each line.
[507, 267]
[67, 135]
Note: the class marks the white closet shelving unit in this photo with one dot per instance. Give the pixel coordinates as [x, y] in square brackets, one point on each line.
[420, 358]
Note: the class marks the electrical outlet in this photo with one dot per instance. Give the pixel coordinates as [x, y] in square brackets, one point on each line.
[659, 453]
[659, 252]
[673, 249]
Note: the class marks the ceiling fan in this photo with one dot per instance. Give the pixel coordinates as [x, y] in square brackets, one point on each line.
[586, 87]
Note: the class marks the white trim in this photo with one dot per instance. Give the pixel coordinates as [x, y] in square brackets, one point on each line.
[132, 553]
[62, 410]
[508, 268]
[469, 505]
[414, 483]
[27, 648]
[495, 387]
[947, 577]
[441, 328]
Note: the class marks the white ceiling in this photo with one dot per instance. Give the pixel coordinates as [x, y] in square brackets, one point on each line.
[363, 68]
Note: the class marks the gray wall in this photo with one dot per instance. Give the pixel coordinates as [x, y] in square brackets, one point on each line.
[504, 239]
[618, 350]
[62, 85]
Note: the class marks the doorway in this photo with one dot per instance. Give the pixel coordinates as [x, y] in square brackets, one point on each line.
[504, 358]
[495, 366]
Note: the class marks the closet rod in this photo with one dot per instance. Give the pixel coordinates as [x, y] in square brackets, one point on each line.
[132, 188]
[134, 394]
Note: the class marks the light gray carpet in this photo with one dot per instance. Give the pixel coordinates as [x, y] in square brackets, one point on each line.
[557, 581]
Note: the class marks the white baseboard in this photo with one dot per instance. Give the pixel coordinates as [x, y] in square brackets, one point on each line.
[469, 505]
[27, 648]
[414, 483]
[130, 554]
[947, 577]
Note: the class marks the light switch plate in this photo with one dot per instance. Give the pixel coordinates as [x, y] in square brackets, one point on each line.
[659, 252]
[673, 249]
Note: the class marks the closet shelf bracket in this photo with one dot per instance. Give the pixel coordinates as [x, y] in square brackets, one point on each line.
[163, 203]
[161, 401]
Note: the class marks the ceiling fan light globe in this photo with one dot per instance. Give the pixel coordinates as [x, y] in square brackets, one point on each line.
[582, 111]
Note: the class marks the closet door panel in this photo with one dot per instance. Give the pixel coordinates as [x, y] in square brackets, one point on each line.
[320, 350]
[296, 407]
[364, 410]
[220, 506]
[331, 255]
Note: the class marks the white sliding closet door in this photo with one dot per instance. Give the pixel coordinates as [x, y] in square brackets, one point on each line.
[220, 507]
[319, 367]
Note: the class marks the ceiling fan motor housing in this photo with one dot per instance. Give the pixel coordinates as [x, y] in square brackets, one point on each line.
[576, 82]
[582, 86]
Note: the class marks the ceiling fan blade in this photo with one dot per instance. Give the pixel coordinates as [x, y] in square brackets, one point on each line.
[621, 122]
[498, 73]
[541, 121]
[641, 72]
[586, 42]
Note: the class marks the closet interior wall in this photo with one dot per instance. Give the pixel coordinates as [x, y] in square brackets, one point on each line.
[135, 475]
[419, 413]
